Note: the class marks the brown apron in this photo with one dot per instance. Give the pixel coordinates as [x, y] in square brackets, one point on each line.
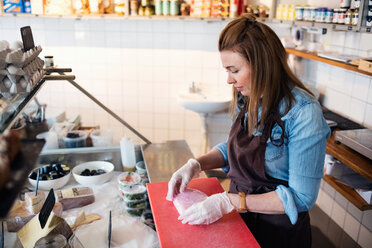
[246, 155]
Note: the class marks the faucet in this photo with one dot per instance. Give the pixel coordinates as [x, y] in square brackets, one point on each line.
[193, 88]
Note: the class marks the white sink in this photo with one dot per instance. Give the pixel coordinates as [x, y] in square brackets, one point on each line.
[203, 103]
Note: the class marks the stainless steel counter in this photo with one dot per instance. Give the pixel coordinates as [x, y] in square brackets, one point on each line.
[165, 158]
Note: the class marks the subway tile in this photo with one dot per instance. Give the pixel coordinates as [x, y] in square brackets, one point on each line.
[176, 74]
[112, 39]
[145, 120]
[160, 135]
[194, 27]
[361, 87]
[365, 41]
[147, 132]
[176, 27]
[161, 90]
[209, 42]
[193, 41]
[129, 26]
[325, 202]
[160, 26]
[161, 105]
[97, 38]
[176, 122]
[176, 41]
[369, 98]
[160, 57]
[130, 104]
[368, 116]
[356, 110]
[351, 226]
[329, 190]
[97, 25]
[211, 27]
[195, 74]
[145, 103]
[144, 26]
[210, 76]
[192, 121]
[128, 40]
[337, 38]
[131, 118]
[115, 103]
[355, 212]
[342, 201]
[160, 41]
[175, 134]
[81, 24]
[176, 58]
[211, 60]
[352, 40]
[367, 219]
[145, 40]
[160, 121]
[112, 25]
[365, 237]
[338, 214]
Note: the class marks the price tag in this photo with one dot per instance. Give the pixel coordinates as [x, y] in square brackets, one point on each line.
[350, 28]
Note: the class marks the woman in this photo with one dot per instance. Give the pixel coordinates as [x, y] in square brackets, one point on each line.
[276, 146]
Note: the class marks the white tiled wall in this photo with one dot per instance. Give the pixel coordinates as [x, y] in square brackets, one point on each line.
[137, 67]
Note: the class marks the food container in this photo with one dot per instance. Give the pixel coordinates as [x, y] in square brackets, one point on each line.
[128, 179]
[93, 178]
[134, 203]
[102, 137]
[136, 192]
[135, 211]
[147, 218]
[51, 176]
[78, 141]
[141, 169]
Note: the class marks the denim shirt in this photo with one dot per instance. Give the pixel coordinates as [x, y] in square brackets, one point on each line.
[300, 160]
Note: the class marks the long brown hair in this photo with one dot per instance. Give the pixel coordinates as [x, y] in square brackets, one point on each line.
[271, 77]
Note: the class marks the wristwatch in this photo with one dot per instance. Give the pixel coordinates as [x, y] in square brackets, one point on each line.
[242, 203]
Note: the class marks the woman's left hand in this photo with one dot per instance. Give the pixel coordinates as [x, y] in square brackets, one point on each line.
[207, 211]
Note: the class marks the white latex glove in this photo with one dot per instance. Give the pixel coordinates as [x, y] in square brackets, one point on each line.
[207, 211]
[181, 178]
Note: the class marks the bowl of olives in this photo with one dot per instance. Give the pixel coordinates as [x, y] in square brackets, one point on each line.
[54, 175]
[93, 172]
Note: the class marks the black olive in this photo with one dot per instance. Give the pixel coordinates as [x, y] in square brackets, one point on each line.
[44, 177]
[100, 171]
[72, 135]
[57, 167]
[93, 172]
[33, 175]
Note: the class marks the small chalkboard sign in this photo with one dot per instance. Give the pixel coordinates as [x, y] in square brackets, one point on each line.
[27, 38]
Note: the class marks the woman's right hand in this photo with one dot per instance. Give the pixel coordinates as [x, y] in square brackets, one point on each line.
[181, 178]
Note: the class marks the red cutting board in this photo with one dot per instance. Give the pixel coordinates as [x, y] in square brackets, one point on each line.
[229, 231]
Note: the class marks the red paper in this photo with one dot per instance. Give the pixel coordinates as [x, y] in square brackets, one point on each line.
[229, 231]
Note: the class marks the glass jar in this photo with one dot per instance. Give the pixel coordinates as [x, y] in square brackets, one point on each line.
[348, 17]
[174, 7]
[49, 62]
[356, 4]
[369, 21]
[335, 16]
[341, 16]
[166, 7]
[158, 7]
[141, 11]
[329, 16]
[355, 18]
[185, 9]
[345, 3]
[312, 14]
[299, 15]
[133, 7]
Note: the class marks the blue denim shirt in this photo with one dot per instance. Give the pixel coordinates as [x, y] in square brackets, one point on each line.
[300, 160]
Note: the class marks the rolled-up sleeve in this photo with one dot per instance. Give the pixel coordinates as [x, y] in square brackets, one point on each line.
[222, 147]
[307, 136]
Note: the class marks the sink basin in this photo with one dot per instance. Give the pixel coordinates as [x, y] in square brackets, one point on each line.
[203, 103]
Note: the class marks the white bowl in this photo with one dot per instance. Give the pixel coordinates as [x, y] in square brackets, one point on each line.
[93, 165]
[49, 184]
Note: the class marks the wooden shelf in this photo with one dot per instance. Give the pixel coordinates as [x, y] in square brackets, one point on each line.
[349, 193]
[313, 56]
[351, 158]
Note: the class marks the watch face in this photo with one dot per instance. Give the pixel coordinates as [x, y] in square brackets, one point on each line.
[27, 38]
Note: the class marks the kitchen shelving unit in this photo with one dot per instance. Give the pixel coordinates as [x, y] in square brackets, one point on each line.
[313, 56]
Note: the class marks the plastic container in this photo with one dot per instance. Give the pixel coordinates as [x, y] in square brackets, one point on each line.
[75, 142]
[128, 179]
[102, 137]
[135, 211]
[134, 203]
[136, 192]
[51, 139]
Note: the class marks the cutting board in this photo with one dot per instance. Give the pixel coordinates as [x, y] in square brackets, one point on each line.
[229, 231]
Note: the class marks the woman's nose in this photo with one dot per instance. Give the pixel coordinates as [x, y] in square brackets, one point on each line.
[230, 80]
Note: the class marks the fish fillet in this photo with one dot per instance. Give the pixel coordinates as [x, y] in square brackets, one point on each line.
[187, 198]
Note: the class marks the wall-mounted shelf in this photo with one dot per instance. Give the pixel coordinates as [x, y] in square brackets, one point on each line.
[355, 161]
[313, 56]
[350, 194]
